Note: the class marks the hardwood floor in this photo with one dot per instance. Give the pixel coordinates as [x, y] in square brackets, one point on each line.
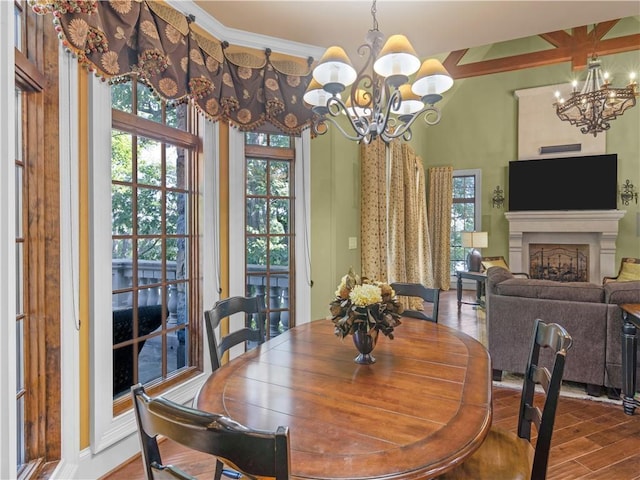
[592, 440]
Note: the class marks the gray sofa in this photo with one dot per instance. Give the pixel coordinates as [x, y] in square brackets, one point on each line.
[589, 312]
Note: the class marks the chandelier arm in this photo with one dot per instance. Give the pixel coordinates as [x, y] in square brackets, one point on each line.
[359, 123]
[359, 135]
[426, 112]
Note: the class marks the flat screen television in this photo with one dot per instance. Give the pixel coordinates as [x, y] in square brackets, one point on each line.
[567, 183]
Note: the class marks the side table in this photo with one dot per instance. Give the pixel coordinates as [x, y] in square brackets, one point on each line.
[630, 324]
[479, 277]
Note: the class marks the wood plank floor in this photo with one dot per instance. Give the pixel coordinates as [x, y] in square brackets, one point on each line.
[592, 440]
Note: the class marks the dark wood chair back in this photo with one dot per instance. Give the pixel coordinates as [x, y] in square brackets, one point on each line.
[251, 306]
[545, 336]
[428, 295]
[507, 455]
[252, 452]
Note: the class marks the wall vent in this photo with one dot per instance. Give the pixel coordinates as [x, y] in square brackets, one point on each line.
[570, 147]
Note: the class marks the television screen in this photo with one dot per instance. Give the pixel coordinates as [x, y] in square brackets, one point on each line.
[567, 183]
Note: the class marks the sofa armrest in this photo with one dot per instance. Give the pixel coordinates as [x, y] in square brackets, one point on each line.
[622, 292]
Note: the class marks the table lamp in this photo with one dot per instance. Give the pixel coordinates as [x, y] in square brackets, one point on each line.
[474, 240]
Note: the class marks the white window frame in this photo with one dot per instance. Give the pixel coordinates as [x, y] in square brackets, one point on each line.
[237, 225]
[114, 438]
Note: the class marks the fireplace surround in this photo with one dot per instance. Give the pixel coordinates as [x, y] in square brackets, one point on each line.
[596, 228]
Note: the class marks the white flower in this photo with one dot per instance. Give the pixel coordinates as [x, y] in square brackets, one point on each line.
[363, 295]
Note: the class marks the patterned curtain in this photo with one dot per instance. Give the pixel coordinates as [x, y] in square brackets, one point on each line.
[394, 228]
[409, 243]
[373, 210]
[181, 62]
[440, 200]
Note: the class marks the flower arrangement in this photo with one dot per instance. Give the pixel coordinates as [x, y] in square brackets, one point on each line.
[361, 304]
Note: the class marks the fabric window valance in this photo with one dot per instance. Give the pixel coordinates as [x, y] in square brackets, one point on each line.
[118, 39]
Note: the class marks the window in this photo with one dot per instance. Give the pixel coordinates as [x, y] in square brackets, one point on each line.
[293, 304]
[154, 261]
[465, 214]
[269, 234]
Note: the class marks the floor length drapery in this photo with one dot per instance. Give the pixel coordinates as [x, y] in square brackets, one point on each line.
[439, 214]
[394, 228]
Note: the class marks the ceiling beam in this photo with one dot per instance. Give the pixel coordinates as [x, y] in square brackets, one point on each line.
[576, 47]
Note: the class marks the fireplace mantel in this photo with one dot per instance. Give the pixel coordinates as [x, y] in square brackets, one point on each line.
[597, 228]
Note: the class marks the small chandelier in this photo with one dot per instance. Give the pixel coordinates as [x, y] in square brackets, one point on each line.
[378, 94]
[598, 103]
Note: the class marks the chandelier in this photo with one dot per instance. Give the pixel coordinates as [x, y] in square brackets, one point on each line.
[598, 103]
[381, 103]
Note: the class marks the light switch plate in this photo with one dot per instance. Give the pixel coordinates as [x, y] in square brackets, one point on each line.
[353, 243]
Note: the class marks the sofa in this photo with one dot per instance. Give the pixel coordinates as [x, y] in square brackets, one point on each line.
[589, 312]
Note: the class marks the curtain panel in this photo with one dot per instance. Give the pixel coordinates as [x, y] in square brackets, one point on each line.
[440, 201]
[373, 210]
[181, 62]
[394, 229]
[409, 242]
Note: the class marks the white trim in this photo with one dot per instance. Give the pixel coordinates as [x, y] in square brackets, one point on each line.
[243, 38]
[236, 212]
[69, 270]
[8, 452]
[104, 429]
[210, 222]
[303, 228]
[236, 227]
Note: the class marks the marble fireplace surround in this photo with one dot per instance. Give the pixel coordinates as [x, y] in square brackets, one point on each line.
[596, 228]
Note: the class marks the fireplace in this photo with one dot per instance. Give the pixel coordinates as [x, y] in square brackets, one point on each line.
[560, 262]
[597, 230]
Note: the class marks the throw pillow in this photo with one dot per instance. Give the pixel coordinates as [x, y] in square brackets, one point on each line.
[629, 272]
[494, 263]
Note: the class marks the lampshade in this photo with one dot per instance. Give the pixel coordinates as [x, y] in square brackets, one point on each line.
[397, 57]
[334, 69]
[475, 239]
[316, 95]
[432, 78]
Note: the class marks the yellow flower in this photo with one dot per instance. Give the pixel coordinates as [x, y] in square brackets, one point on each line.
[367, 294]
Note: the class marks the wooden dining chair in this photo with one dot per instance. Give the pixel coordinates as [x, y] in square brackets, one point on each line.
[429, 295]
[506, 455]
[251, 306]
[251, 452]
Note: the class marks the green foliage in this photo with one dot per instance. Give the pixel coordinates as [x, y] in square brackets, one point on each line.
[264, 201]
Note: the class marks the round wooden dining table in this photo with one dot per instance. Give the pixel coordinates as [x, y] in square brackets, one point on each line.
[419, 410]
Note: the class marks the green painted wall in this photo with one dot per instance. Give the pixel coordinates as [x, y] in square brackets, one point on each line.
[478, 130]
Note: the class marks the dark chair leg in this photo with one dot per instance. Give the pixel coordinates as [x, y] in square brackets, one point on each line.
[497, 375]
